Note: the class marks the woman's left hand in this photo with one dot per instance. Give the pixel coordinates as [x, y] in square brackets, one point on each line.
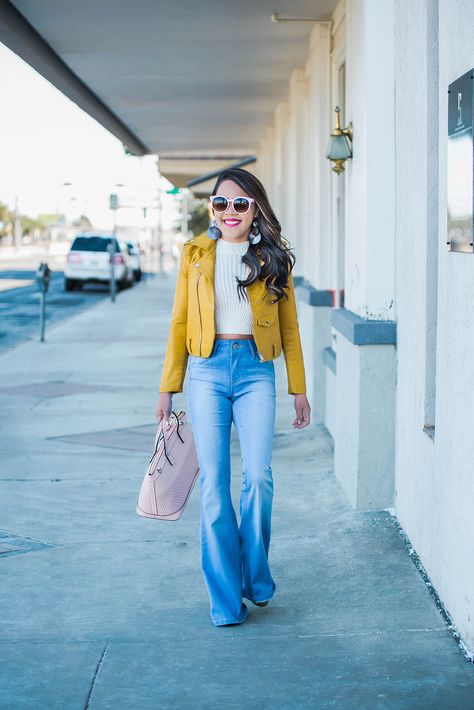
[303, 411]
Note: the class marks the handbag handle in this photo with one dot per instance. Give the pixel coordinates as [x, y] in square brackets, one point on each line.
[161, 435]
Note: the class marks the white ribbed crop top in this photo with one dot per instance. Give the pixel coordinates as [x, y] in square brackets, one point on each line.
[232, 314]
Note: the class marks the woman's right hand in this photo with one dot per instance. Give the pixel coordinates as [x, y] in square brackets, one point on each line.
[163, 408]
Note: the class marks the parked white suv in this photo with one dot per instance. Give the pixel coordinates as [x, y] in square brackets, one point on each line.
[89, 260]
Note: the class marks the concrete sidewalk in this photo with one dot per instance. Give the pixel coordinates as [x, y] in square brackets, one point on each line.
[103, 609]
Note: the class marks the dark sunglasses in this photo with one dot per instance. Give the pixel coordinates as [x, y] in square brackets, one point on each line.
[241, 205]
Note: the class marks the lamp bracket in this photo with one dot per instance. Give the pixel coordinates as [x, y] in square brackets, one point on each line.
[348, 131]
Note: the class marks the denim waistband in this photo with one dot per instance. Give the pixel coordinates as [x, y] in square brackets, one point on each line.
[238, 344]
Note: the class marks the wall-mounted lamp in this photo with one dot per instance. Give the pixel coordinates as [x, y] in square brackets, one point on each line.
[340, 144]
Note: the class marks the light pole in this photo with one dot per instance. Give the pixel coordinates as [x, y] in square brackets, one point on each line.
[113, 204]
[184, 213]
[159, 234]
[17, 226]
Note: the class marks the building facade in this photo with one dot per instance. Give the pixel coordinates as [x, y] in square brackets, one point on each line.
[384, 306]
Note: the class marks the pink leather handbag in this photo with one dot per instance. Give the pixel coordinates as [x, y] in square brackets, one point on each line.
[171, 473]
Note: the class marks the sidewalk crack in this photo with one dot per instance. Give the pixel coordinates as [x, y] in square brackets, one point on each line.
[91, 689]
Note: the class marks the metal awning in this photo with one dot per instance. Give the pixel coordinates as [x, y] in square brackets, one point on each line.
[195, 83]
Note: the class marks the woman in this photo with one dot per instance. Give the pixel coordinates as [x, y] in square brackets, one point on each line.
[234, 312]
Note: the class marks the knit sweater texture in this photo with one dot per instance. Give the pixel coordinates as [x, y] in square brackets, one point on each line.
[232, 314]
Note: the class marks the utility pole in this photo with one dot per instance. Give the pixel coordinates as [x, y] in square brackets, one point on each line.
[184, 213]
[159, 233]
[17, 227]
[113, 204]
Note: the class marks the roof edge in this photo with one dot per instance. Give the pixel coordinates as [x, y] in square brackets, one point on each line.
[23, 39]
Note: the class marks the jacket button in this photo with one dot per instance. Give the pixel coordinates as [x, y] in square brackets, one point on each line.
[197, 265]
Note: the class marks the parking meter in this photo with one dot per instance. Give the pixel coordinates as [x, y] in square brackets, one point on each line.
[43, 277]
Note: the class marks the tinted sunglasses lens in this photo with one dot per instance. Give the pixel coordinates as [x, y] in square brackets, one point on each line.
[219, 204]
[241, 205]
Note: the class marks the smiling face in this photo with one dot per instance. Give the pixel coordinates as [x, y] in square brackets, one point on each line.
[234, 227]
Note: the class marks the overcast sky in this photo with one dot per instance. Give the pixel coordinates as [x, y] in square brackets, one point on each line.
[46, 140]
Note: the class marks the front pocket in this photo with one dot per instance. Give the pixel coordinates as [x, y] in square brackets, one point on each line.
[198, 358]
[266, 319]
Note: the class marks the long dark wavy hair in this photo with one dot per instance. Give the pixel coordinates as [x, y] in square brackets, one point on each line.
[272, 248]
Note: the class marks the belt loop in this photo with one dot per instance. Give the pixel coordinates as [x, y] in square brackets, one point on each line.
[253, 348]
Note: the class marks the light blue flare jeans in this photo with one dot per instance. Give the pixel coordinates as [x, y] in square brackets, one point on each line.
[233, 385]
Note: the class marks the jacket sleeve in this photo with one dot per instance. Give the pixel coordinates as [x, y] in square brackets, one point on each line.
[176, 358]
[291, 341]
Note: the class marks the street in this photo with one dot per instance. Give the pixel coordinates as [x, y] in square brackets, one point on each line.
[20, 298]
[20, 307]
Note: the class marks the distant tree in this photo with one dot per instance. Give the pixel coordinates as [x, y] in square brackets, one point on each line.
[49, 218]
[6, 218]
[83, 222]
[28, 224]
[46, 220]
[199, 220]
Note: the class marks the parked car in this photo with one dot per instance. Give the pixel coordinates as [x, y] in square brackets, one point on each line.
[135, 252]
[89, 261]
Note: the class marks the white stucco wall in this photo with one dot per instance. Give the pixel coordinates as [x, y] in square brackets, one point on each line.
[370, 229]
[396, 261]
[293, 164]
[434, 479]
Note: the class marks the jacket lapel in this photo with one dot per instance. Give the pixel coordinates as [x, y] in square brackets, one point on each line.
[207, 264]
[207, 260]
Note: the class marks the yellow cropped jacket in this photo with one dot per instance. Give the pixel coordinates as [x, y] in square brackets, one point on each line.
[192, 329]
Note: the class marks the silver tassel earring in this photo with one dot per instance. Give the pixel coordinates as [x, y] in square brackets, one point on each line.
[214, 232]
[254, 236]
